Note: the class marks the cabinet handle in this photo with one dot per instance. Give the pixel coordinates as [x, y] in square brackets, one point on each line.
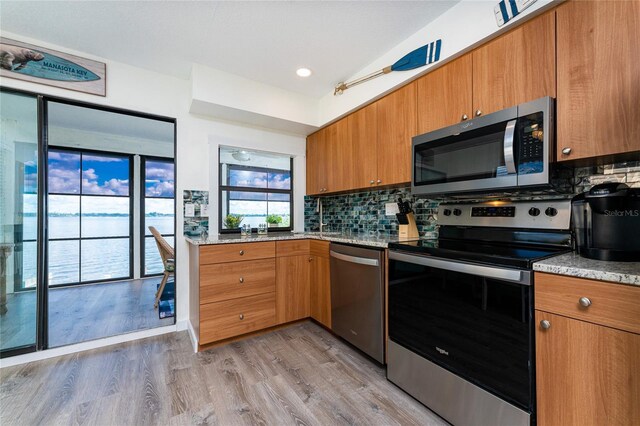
[241, 316]
[241, 252]
[310, 259]
[241, 280]
[545, 324]
[566, 151]
[585, 302]
[379, 181]
[372, 181]
[464, 117]
[478, 113]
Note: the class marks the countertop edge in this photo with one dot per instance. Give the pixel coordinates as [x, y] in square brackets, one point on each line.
[572, 265]
[378, 243]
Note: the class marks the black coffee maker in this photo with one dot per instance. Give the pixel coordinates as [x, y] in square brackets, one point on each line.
[606, 222]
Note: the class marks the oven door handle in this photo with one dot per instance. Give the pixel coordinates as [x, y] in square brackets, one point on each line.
[509, 156]
[353, 259]
[513, 275]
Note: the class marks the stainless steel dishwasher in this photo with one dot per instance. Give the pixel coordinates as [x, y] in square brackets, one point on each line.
[357, 297]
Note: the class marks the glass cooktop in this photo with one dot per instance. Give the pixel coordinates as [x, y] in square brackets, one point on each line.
[513, 255]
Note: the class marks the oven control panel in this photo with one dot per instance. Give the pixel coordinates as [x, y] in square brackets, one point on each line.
[493, 211]
[543, 214]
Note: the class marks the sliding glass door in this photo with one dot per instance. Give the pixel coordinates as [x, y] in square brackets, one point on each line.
[18, 222]
[89, 216]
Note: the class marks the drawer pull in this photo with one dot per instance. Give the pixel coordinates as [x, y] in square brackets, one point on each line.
[241, 316]
[545, 324]
[310, 259]
[241, 252]
[585, 302]
[241, 280]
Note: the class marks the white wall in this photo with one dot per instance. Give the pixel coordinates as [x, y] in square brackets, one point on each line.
[153, 93]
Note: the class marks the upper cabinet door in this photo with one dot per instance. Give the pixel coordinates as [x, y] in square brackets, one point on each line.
[363, 138]
[445, 95]
[396, 127]
[516, 67]
[339, 167]
[317, 158]
[598, 78]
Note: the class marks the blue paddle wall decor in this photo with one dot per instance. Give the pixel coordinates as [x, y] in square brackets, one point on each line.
[506, 10]
[427, 54]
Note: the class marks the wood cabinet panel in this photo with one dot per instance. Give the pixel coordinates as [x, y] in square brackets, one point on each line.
[234, 317]
[598, 78]
[445, 95]
[314, 162]
[223, 281]
[321, 289]
[613, 305]
[292, 288]
[396, 126]
[222, 253]
[292, 248]
[517, 67]
[319, 248]
[340, 167]
[363, 139]
[586, 374]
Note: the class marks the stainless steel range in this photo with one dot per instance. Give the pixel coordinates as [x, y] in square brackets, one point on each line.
[461, 333]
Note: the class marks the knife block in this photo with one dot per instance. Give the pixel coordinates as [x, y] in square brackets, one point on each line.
[408, 230]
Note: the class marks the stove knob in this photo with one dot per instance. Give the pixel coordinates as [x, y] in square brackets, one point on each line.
[534, 211]
[550, 211]
[446, 212]
[457, 212]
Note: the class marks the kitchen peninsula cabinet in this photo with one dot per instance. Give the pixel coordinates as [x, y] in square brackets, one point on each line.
[396, 124]
[598, 79]
[516, 67]
[320, 291]
[292, 280]
[587, 351]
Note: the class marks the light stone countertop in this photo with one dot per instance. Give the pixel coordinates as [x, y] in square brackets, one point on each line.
[362, 240]
[573, 265]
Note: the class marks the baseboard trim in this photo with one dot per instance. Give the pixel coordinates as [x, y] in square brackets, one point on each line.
[85, 346]
[192, 335]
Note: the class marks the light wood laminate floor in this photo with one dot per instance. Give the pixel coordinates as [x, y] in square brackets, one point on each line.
[300, 375]
[85, 312]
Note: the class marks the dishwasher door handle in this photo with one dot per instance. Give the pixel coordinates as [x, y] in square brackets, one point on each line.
[354, 259]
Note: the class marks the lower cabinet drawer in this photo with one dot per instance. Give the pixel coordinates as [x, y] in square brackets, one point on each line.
[233, 280]
[221, 320]
[608, 304]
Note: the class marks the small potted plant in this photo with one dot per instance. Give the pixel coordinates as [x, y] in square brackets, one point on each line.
[233, 221]
[274, 220]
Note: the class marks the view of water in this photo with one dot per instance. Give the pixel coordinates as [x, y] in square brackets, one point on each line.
[99, 259]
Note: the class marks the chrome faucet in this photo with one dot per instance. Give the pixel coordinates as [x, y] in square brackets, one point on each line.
[319, 210]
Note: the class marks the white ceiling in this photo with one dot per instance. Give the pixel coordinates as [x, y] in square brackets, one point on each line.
[263, 41]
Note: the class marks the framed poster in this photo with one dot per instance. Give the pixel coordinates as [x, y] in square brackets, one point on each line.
[27, 62]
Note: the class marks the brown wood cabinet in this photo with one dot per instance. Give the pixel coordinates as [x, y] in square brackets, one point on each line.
[587, 365]
[444, 96]
[318, 157]
[396, 124]
[598, 78]
[292, 283]
[320, 281]
[516, 67]
[363, 139]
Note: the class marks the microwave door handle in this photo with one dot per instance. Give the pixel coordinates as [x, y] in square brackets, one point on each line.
[509, 157]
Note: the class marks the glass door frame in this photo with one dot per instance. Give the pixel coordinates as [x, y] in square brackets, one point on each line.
[143, 198]
[42, 304]
[80, 238]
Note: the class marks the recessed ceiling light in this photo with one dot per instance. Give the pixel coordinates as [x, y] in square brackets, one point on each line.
[303, 72]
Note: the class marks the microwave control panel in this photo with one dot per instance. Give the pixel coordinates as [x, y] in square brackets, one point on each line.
[531, 144]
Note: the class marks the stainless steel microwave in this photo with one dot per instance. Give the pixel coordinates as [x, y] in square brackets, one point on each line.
[502, 151]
